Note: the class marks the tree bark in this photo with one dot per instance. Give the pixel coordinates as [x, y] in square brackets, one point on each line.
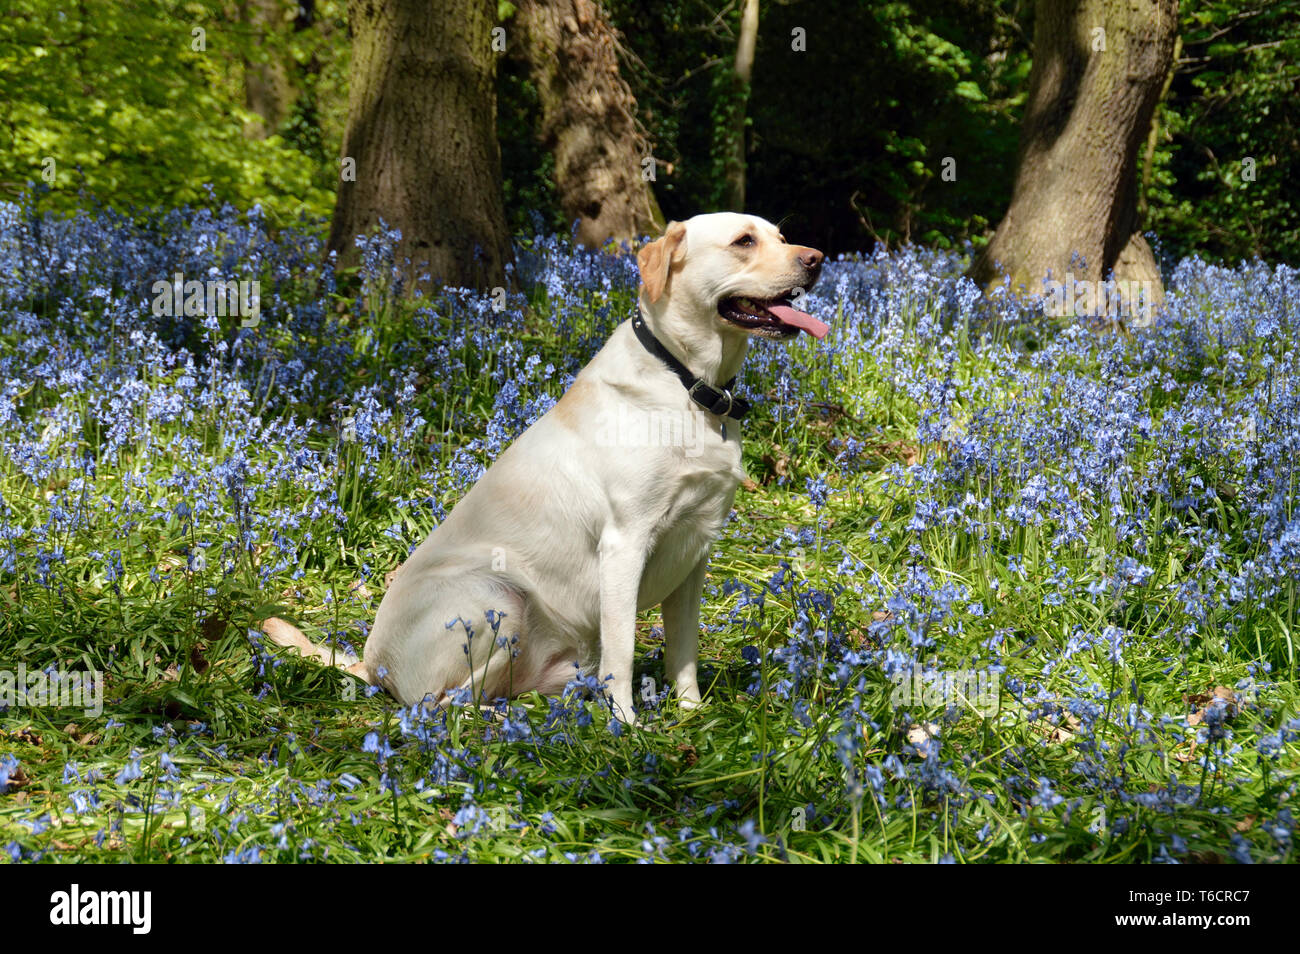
[588, 120]
[1088, 114]
[422, 133]
[742, 74]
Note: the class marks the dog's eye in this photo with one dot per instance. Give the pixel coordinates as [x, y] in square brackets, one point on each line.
[745, 241]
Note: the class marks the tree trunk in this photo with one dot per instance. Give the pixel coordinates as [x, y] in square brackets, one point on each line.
[1088, 114]
[741, 76]
[422, 134]
[268, 92]
[589, 120]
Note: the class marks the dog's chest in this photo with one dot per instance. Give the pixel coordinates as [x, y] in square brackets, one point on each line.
[702, 492]
[692, 506]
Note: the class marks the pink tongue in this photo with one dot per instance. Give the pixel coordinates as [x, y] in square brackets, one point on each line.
[798, 319]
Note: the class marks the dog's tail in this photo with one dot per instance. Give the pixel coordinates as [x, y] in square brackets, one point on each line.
[286, 634]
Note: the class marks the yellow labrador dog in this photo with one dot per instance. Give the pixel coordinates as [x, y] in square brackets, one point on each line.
[609, 503]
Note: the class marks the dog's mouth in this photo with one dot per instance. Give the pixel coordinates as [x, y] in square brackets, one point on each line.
[770, 317]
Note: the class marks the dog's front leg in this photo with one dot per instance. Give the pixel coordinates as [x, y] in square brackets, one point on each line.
[622, 560]
[682, 636]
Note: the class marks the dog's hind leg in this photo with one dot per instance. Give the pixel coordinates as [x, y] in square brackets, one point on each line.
[437, 634]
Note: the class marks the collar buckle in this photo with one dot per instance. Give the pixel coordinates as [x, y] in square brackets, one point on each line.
[712, 400]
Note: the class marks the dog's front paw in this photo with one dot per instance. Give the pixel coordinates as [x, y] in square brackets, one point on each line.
[687, 706]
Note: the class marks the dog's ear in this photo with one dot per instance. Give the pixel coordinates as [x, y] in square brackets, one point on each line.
[657, 258]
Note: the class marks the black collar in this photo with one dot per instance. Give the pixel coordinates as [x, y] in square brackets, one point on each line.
[720, 402]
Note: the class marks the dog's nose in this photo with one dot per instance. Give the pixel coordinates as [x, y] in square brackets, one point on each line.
[811, 258]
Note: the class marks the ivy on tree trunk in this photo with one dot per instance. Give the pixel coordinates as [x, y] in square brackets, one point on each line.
[589, 120]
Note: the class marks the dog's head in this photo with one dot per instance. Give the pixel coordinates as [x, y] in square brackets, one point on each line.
[735, 271]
